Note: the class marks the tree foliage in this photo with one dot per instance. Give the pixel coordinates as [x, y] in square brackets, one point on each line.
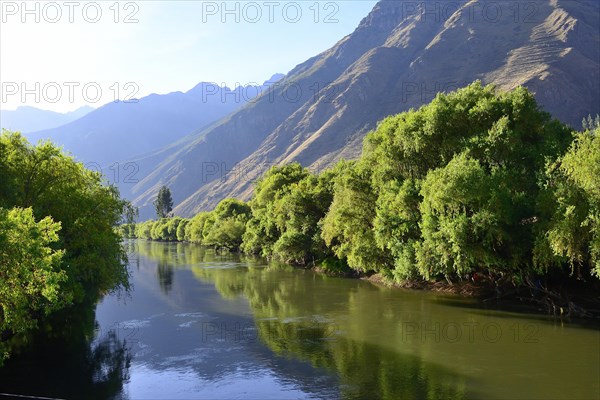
[477, 182]
[65, 216]
[30, 278]
[163, 204]
[572, 234]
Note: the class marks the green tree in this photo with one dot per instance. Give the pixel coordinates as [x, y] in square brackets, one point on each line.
[163, 203]
[262, 230]
[298, 215]
[182, 229]
[72, 255]
[130, 213]
[226, 224]
[348, 226]
[465, 223]
[53, 184]
[31, 278]
[572, 235]
[506, 139]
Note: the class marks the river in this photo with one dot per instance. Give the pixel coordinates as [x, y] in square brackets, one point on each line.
[197, 325]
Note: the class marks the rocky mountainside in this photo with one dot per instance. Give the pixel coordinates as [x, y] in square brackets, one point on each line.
[399, 56]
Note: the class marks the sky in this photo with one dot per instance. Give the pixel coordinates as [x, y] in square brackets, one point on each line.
[62, 55]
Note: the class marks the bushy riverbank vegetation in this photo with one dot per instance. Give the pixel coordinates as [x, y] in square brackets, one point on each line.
[58, 244]
[477, 186]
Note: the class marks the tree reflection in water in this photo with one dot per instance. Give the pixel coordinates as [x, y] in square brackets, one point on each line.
[96, 362]
[286, 308]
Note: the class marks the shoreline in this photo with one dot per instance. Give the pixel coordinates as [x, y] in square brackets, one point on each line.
[505, 297]
[573, 302]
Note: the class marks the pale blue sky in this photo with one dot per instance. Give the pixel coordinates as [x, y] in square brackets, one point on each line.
[172, 46]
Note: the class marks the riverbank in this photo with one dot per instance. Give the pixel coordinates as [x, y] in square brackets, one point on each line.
[571, 301]
[216, 324]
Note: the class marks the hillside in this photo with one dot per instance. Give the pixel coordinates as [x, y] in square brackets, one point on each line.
[119, 131]
[397, 58]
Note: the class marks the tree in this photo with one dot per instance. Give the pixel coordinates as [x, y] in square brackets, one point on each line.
[262, 230]
[164, 202]
[348, 225]
[503, 139]
[226, 224]
[31, 277]
[466, 224]
[572, 235]
[130, 214]
[53, 184]
[58, 242]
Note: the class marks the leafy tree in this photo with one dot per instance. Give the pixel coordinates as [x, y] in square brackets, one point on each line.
[348, 226]
[298, 215]
[160, 229]
[226, 224]
[262, 230]
[396, 225]
[31, 276]
[72, 255]
[505, 134]
[164, 202]
[182, 229]
[130, 213]
[572, 235]
[53, 184]
[144, 230]
[172, 227]
[195, 229]
[464, 221]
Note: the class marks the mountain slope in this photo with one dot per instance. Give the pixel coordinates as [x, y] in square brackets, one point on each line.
[396, 59]
[123, 130]
[27, 119]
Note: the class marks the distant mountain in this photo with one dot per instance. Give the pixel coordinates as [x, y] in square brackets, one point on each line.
[119, 131]
[27, 119]
[400, 55]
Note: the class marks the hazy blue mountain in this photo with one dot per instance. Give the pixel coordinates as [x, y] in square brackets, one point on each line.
[119, 131]
[26, 119]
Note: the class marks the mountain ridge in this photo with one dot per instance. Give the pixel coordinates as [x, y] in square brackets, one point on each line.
[394, 60]
[27, 119]
[125, 130]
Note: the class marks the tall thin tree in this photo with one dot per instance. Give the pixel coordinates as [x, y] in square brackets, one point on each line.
[164, 202]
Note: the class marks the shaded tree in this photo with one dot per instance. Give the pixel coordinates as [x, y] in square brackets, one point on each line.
[163, 204]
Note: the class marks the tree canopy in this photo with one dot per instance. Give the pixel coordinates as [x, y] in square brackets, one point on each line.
[163, 203]
[58, 245]
[476, 183]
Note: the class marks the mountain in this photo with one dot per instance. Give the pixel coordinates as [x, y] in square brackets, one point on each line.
[27, 119]
[398, 57]
[119, 131]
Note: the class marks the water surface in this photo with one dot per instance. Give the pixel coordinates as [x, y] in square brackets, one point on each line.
[199, 325]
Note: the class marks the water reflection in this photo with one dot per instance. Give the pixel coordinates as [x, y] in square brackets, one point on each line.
[75, 360]
[164, 273]
[426, 345]
[206, 325]
[291, 315]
